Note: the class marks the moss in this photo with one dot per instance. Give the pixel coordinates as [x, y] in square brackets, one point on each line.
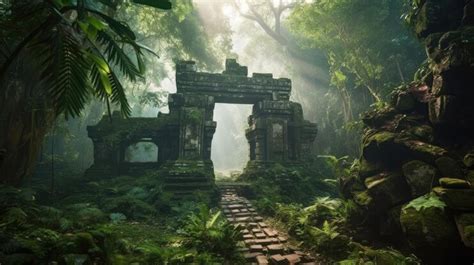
[469, 160]
[430, 230]
[367, 169]
[454, 183]
[363, 198]
[458, 199]
[421, 151]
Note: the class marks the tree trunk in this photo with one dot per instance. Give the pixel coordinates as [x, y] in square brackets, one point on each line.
[25, 118]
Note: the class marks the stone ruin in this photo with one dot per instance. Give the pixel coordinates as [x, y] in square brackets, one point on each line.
[277, 131]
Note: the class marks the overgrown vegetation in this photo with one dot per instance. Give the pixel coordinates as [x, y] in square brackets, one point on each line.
[111, 222]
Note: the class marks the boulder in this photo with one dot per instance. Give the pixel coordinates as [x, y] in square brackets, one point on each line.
[389, 223]
[449, 167]
[418, 150]
[419, 176]
[367, 169]
[429, 229]
[457, 199]
[423, 133]
[389, 191]
[465, 224]
[378, 145]
[452, 183]
[469, 160]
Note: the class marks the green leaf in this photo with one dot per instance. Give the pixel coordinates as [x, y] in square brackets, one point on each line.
[117, 56]
[121, 29]
[96, 23]
[426, 201]
[104, 71]
[161, 4]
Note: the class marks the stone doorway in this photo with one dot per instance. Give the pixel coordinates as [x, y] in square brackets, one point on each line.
[276, 133]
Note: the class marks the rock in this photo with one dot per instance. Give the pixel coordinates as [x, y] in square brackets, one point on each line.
[418, 150]
[389, 223]
[256, 248]
[389, 191]
[452, 183]
[449, 167]
[275, 249]
[367, 169]
[262, 260]
[430, 230]
[378, 145]
[469, 160]
[277, 260]
[423, 133]
[465, 224]
[292, 258]
[405, 102]
[419, 176]
[462, 200]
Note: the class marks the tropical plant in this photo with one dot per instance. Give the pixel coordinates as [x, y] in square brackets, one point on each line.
[78, 49]
[208, 231]
[54, 56]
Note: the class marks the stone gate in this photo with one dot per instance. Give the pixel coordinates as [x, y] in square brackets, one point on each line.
[277, 131]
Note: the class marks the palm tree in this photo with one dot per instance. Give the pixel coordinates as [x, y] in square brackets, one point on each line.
[54, 56]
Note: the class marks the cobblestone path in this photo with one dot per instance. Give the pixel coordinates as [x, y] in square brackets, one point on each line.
[263, 244]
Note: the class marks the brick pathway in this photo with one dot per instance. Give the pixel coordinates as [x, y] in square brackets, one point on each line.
[263, 244]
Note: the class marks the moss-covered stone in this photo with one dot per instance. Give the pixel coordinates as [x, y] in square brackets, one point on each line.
[363, 199]
[418, 150]
[430, 230]
[452, 183]
[419, 176]
[405, 102]
[465, 224]
[378, 145]
[449, 167]
[389, 191]
[423, 133]
[367, 169]
[457, 199]
[469, 160]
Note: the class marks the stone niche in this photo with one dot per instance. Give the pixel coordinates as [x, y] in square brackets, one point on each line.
[277, 132]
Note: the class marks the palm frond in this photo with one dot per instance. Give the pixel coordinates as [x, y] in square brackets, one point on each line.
[67, 82]
[117, 56]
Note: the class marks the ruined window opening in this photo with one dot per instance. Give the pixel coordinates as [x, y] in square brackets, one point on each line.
[143, 151]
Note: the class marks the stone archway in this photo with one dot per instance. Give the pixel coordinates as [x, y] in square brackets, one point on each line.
[277, 131]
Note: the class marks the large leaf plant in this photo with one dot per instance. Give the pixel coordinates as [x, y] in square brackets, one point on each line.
[77, 48]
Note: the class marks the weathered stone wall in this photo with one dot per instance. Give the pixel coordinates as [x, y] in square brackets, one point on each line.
[277, 131]
[417, 166]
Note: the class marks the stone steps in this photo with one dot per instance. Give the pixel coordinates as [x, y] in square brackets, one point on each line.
[263, 244]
